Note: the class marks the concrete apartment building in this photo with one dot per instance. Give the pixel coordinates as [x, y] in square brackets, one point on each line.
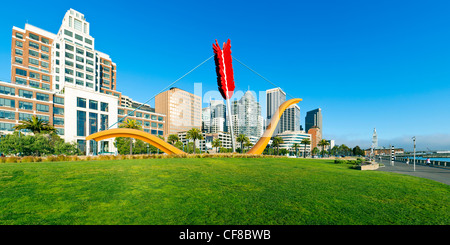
[61, 78]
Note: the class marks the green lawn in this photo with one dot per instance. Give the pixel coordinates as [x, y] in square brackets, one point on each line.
[230, 191]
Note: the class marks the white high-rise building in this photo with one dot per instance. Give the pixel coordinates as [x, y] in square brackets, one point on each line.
[246, 116]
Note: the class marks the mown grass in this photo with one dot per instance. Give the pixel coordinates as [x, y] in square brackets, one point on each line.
[259, 191]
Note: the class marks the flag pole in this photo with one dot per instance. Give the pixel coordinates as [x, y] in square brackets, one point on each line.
[231, 124]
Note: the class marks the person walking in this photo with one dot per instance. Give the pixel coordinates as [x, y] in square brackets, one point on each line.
[428, 161]
[407, 160]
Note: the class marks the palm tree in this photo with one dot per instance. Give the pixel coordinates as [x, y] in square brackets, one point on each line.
[133, 124]
[216, 143]
[305, 141]
[36, 125]
[323, 143]
[276, 142]
[173, 138]
[248, 144]
[296, 146]
[194, 134]
[242, 138]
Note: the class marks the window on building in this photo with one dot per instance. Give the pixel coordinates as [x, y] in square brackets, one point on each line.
[25, 105]
[21, 72]
[60, 131]
[10, 115]
[43, 97]
[34, 84]
[93, 123]
[81, 102]
[25, 93]
[58, 121]
[69, 55]
[78, 37]
[7, 90]
[45, 57]
[21, 81]
[33, 53]
[42, 108]
[19, 35]
[33, 36]
[68, 63]
[19, 44]
[68, 33]
[68, 79]
[45, 48]
[33, 61]
[93, 104]
[104, 106]
[46, 78]
[7, 126]
[58, 100]
[25, 116]
[34, 45]
[81, 123]
[18, 60]
[19, 52]
[45, 40]
[103, 122]
[58, 111]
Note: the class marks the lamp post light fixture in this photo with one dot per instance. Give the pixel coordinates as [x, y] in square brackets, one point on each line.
[414, 140]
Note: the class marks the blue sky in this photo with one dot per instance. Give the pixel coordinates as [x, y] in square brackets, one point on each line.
[383, 64]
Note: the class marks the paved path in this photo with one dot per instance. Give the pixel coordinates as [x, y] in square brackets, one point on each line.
[434, 173]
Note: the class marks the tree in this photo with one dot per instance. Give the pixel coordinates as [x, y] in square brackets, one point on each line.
[305, 141]
[248, 144]
[315, 151]
[216, 143]
[36, 125]
[241, 139]
[344, 149]
[173, 138]
[276, 142]
[194, 134]
[133, 124]
[357, 151]
[323, 143]
[296, 146]
[37, 145]
[335, 150]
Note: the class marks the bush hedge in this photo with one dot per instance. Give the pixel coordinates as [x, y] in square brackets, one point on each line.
[63, 158]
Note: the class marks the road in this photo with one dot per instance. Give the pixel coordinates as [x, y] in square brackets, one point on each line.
[434, 173]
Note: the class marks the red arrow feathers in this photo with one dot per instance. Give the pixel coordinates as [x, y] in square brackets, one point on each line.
[224, 69]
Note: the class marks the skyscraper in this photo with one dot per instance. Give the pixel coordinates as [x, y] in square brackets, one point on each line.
[275, 97]
[218, 116]
[290, 120]
[314, 118]
[246, 116]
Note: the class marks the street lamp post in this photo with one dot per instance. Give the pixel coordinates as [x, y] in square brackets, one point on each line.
[414, 140]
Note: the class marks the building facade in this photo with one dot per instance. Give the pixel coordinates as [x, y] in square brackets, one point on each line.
[246, 116]
[295, 137]
[274, 98]
[62, 79]
[182, 109]
[314, 118]
[290, 120]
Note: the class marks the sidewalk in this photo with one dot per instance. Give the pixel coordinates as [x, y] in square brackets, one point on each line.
[434, 173]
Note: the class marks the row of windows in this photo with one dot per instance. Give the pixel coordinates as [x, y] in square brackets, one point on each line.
[32, 83]
[140, 114]
[78, 37]
[93, 104]
[33, 75]
[93, 123]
